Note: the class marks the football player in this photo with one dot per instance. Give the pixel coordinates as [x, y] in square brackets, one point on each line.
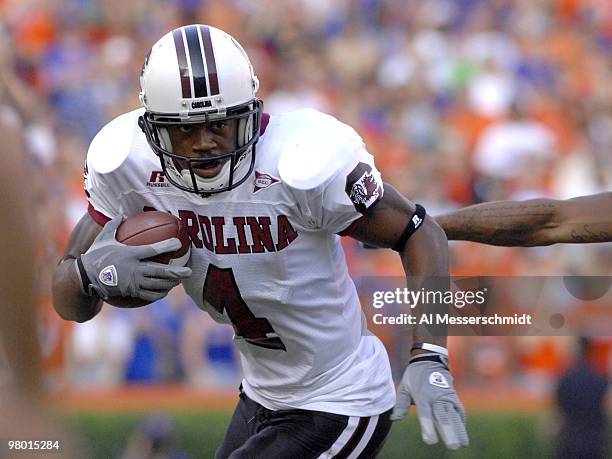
[264, 200]
[535, 222]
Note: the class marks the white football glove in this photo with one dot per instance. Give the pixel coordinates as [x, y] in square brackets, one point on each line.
[428, 384]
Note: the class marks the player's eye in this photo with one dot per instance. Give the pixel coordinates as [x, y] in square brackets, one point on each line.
[186, 129]
[218, 126]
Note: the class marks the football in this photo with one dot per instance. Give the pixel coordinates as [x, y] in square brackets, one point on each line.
[147, 228]
[155, 226]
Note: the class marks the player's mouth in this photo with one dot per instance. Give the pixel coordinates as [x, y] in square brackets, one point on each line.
[209, 169]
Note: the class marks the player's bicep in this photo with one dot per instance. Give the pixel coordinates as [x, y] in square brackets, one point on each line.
[422, 246]
[383, 224]
[82, 236]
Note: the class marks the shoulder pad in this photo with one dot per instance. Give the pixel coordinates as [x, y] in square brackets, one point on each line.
[315, 147]
[112, 145]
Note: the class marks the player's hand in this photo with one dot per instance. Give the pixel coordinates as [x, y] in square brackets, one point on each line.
[116, 269]
[428, 384]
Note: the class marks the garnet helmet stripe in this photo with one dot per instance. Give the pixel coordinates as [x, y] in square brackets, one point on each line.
[210, 60]
[197, 61]
[182, 62]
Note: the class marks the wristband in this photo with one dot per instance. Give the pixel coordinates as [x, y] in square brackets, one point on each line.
[416, 221]
[430, 347]
[430, 358]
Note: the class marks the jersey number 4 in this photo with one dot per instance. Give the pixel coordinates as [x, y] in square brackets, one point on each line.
[221, 292]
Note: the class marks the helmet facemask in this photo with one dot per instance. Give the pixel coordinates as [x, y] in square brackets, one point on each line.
[179, 170]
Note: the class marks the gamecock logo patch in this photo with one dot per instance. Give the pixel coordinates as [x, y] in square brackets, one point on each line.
[363, 187]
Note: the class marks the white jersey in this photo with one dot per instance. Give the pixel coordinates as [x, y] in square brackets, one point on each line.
[267, 258]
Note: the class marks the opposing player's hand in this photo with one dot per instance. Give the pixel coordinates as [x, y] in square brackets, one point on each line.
[428, 384]
[116, 269]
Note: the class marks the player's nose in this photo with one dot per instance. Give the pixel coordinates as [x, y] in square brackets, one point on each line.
[203, 139]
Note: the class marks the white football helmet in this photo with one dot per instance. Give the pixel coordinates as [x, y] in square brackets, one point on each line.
[198, 74]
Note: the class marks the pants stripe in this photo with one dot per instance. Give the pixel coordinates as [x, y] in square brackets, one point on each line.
[342, 439]
[365, 439]
[353, 439]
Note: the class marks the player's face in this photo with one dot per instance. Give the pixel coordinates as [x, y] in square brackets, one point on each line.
[204, 141]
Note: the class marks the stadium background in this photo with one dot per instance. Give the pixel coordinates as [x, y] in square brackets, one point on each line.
[460, 102]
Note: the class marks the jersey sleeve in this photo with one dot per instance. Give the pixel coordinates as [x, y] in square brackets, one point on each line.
[111, 169]
[355, 190]
[351, 192]
[102, 205]
[98, 176]
[331, 174]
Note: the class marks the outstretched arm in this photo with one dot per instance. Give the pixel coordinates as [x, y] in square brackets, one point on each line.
[424, 255]
[535, 222]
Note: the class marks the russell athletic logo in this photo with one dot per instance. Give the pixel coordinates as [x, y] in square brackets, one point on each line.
[157, 180]
[263, 181]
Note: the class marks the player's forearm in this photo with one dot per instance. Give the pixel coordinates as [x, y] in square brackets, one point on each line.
[68, 298]
[426, 252]
[426, 263]
[504, 223]
[582, 220]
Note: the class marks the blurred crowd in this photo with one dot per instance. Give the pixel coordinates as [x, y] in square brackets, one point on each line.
[460, 101]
